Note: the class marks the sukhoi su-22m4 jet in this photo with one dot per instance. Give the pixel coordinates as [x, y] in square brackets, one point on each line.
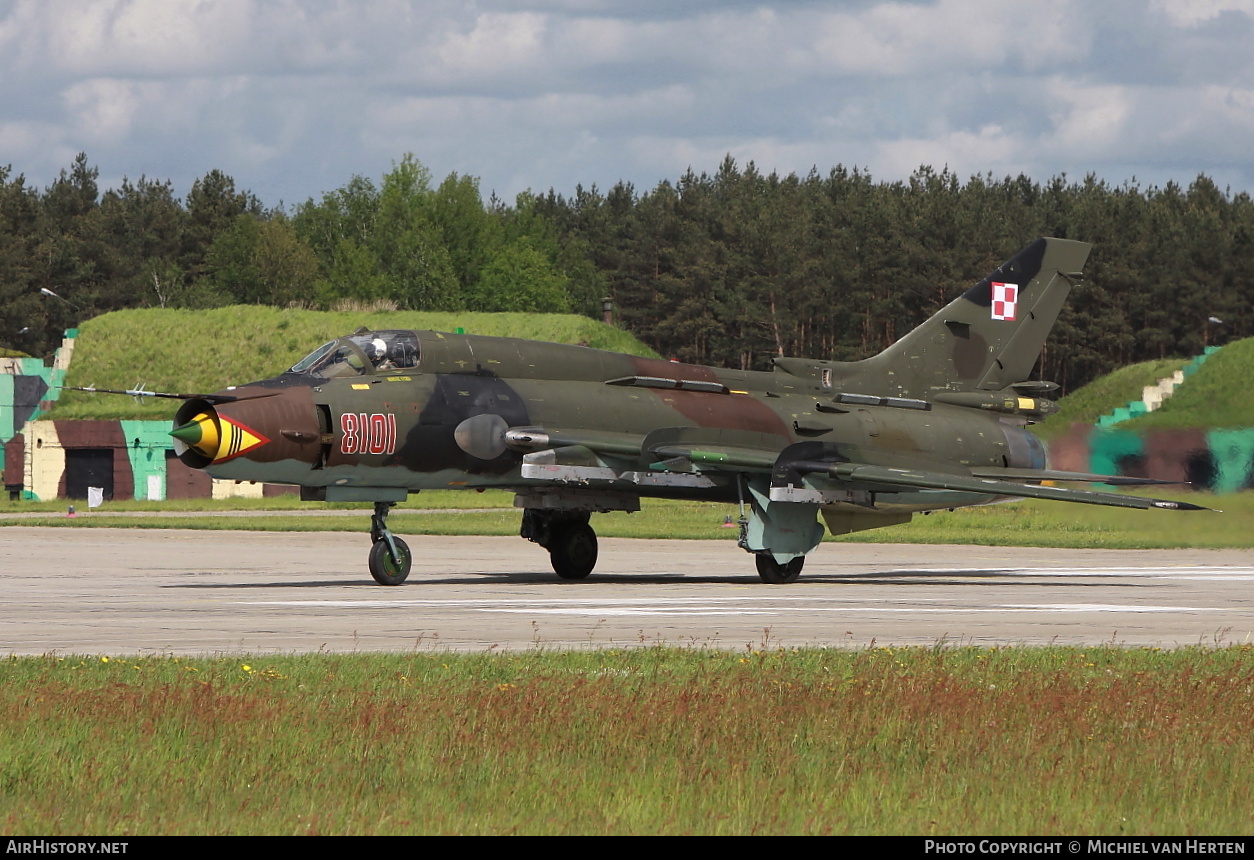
[935, 421]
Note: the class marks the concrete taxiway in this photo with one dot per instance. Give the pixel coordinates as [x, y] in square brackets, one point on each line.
[120, 591]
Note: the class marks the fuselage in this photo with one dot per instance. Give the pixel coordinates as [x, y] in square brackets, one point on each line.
[427, 410]
[936, 420]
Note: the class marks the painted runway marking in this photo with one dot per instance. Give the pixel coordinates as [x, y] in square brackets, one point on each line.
[1109, 607]
[952, 610]
[804, 600]
[1232, 574]
[577, 602]
[685, 607]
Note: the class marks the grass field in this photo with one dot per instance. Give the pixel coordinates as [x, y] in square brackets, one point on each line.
[1028, 523]
[205, 350]
[640, 741]
[1217, 395]
[1088, 403]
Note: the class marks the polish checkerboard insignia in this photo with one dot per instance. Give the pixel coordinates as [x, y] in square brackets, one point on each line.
[1005, 298]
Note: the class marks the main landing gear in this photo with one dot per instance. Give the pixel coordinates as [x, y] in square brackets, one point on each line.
[571, 542]
[389, 555]
[775, 573]
[774, 530]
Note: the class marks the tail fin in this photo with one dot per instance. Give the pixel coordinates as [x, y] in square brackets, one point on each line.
[990, 336]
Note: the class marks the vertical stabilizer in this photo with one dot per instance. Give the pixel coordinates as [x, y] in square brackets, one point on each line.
[987, 338]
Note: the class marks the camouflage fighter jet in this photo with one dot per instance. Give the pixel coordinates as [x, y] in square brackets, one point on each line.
[936, 421]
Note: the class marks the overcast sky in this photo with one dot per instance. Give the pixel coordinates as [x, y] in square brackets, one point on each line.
[292, 98]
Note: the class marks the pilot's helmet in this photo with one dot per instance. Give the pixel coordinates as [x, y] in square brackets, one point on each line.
[376, 350]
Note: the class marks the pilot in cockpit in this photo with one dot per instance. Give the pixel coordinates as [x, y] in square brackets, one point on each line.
[377, 351]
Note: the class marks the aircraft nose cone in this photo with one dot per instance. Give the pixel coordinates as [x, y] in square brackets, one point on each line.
[211, 437]
[199, 434]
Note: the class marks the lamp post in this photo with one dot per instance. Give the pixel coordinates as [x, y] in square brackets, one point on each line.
[607, 310]
[47, 292]
[1212, 321]
[76, 311]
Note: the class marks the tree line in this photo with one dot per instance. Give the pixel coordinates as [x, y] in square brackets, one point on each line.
[71, 252]
[738, 266]
[729, 268]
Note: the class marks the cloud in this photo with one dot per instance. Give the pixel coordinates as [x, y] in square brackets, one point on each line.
[294, 97]
[146, 37]
[906, 39]
[497, 43]
[966, 153]
[104, 109]
[1088, 119]
[1190, 13]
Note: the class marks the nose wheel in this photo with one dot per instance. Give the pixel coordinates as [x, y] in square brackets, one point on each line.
[390, 558]
[390, 565]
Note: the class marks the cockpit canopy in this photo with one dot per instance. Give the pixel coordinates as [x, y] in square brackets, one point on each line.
[360, 354]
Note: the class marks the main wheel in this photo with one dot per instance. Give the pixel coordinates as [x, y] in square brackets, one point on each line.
[386, 571]
[573, 551]
[778, 574]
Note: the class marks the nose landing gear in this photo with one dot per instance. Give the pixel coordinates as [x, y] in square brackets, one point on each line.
[389, 555]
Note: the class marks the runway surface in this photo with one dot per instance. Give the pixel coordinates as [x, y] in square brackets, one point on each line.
[124, 591]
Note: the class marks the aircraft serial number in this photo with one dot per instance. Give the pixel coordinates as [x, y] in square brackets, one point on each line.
[367, 433]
